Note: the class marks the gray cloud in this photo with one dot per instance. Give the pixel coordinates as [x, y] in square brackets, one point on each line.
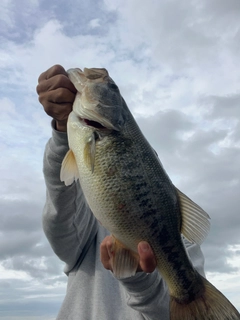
[176, 64]
[206, 173]
[216, 258]
[223, 106]
[19, 19]
[164, 129]
[20, 215]
[14, 305]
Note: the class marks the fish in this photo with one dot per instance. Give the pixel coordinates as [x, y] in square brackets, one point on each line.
[132, 196]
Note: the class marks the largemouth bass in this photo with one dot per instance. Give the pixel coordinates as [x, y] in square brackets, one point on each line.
[132, 196]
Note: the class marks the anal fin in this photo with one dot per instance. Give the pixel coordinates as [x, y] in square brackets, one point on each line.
[124, 261]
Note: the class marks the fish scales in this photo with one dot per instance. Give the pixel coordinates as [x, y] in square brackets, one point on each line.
[131, 195]
[121, 212]
[124, 176]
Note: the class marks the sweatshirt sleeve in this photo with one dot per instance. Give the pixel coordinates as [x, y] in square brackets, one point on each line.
[148, 293]
[68, 222]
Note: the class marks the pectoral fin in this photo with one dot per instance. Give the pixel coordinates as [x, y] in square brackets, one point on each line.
[89, 152]
[124, 261]
[195, 221]
[69, 170]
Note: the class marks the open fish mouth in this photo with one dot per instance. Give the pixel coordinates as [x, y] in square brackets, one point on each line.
[94, 124]
[101, 125]
[90, 118]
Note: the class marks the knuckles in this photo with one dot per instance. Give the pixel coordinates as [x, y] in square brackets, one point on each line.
[56, 93]
[59, 95]
[62, 95]
[51, 72]
[57, 69]
[55, 82]
[53, 77]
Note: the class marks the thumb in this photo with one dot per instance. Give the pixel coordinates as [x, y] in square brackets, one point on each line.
[147, 259]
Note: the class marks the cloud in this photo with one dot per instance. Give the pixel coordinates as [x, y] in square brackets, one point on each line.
[176, 64]
[94, 23]
[201, 166]
[19, 19]
[224, 106]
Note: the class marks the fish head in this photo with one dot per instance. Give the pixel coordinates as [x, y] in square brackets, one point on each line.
[98, 101]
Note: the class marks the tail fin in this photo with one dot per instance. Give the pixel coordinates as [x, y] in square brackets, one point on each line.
[212, 305]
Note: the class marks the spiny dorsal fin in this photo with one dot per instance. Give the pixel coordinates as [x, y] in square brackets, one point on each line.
[69, 170]
[195, 221]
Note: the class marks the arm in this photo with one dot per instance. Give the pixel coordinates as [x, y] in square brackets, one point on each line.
[67, 220]
[146, 292]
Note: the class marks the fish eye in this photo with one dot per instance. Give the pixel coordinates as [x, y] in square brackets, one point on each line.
[113, 86]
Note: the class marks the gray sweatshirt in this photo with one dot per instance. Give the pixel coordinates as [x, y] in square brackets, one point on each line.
[75, 236]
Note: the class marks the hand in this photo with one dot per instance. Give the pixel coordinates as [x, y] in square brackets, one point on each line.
[147, 262]
[56, 94]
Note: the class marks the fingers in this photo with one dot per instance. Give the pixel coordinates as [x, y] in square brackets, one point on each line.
[59, 95]
[56, 94]
[53, 71]
[58, 112]
[106, 252]
[147, 261]
[51, 81]
[56, 81]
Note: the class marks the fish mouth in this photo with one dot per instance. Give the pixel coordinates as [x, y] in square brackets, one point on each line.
[94, 124]
[104, 125]
[95, 120]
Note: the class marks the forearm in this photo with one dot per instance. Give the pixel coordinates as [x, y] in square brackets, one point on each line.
[148, 294]
[67, 220]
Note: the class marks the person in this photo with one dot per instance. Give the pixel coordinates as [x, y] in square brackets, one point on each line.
[82, 243]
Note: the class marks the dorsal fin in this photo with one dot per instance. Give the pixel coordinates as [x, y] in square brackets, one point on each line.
[195, 221]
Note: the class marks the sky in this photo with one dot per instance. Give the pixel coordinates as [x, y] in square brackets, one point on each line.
[177, 66]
